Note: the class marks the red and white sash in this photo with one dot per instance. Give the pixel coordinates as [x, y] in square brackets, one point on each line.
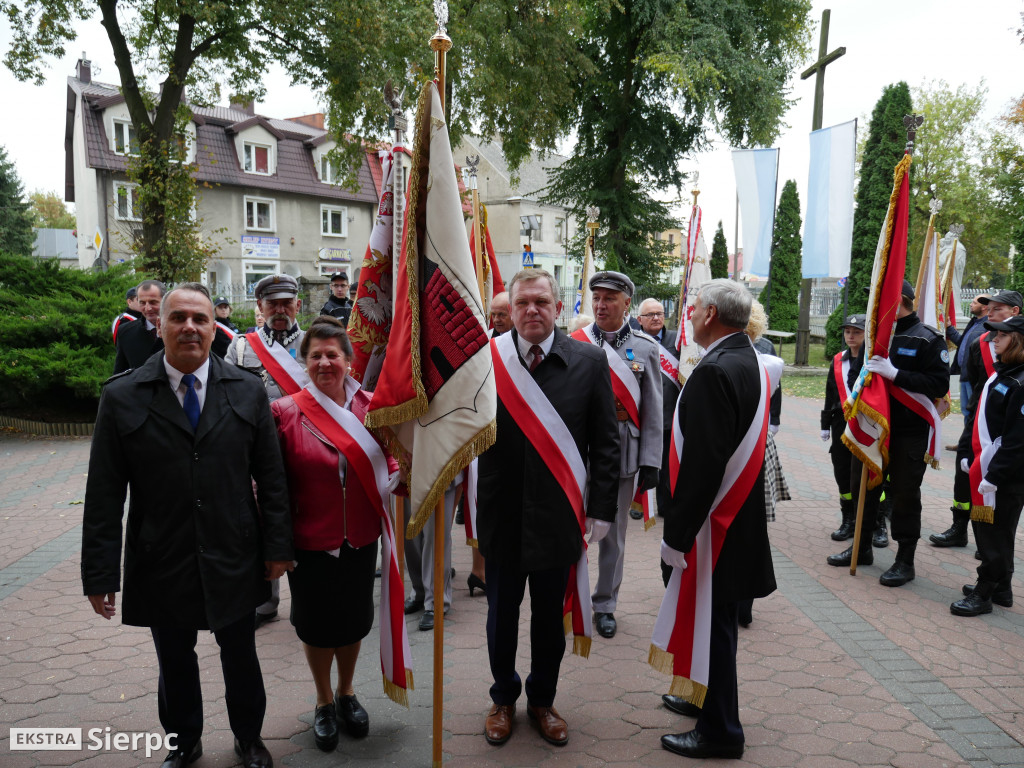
[669, 364]
[124, 317]
[367, 461]
[924, 407]
[645, 502]
[624, 383]
[227, 331]
[282, 367]
[681, 641]
[841, 369]
[988, 354]
[550, 437]
[982, 506]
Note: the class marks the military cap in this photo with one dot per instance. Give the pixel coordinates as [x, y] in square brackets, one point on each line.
[339, 276]
[908, 289]
[131, 293]
[221, 300]
[1014, 324]
[1010, 298]
[615, 281]
[277, 287]
[855, 321]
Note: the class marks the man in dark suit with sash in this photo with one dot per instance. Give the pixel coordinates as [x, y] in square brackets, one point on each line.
[652, 320]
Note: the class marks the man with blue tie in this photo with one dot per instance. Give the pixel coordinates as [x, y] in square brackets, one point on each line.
[187, 434]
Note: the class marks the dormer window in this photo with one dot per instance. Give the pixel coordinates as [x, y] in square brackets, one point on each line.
[328, 173]
[126, 142]
[256, 158]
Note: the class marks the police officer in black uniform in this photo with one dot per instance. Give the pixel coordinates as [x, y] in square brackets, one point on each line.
[338, 304]
[918, 362]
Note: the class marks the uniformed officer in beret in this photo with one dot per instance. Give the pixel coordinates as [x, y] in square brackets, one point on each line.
[636, 381]
[918, 362]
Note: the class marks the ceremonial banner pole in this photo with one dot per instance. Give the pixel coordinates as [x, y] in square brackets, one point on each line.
[478, 241]
[440, 44]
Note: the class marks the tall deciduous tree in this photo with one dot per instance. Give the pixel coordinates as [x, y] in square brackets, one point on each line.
[885, 145]
[16, 235]
[719, 254]
[667, 73]
[784, 278]
[50, 212]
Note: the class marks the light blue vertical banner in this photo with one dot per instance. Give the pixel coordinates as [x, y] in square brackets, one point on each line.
[828, 226]
[757, 172]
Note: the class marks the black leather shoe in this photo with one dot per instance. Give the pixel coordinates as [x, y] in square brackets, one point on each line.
[254, 753]
[880, 538]
[427, 621]
[605, 623]
[325, 728]
[179, 758]
[954, 536]
[844, 531]
[977, 555]
[972, 605]
[636, 514]
[1003, 597]
[413, 604]
[898, 575]
[680, 706]
[841, 559]
[265, 618]
[692, 744]
[352, 714]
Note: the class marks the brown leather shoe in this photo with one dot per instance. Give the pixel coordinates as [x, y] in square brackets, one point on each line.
[552, 726]
[498, 726]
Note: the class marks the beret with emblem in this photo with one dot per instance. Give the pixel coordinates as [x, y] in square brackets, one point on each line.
[615, 281]
[855, 321]
[277, 287]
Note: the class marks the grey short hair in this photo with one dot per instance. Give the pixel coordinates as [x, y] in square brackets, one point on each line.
[197, 287]
[147, 284]
[732, 300]
[525, 275]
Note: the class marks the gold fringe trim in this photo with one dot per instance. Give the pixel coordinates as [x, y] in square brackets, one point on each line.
[566, 623]
[683, 687]
[660, 660]
[648, 524]
[581, 646]
[859, 452]
[480, 442]
[982, 514]
[396, 693]
[931, 461]
[473, 543]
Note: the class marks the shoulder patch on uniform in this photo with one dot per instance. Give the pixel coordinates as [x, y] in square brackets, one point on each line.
[644, 335]
[117, 376]
[945, 355]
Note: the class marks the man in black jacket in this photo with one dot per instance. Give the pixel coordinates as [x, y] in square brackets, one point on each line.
[138, 340]
[338, 304]
[527, 526]
[652, 320]
[187, 434]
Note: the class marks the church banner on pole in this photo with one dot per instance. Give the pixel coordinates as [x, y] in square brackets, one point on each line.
[828, 227]
[757, 172]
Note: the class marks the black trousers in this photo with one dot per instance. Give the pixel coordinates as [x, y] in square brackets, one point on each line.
[180, 698]
[506, 586]
[664, 492]
[719, 719]
[995, 542]
[841, 456]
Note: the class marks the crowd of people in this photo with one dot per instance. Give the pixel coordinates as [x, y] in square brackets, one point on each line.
[246, 460]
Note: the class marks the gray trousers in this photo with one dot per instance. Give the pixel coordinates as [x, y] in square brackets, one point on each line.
[612, 551]
[419, 555]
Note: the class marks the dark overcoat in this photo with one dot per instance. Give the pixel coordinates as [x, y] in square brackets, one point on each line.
[135, 345]
[716, 407]
[524, 518]
[196, 542]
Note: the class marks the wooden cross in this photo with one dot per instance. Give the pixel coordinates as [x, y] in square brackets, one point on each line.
[818, 68]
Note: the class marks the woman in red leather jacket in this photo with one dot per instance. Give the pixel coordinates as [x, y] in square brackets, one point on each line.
[336, 528]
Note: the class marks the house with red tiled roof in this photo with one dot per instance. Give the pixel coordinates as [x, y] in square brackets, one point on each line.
[266, 191]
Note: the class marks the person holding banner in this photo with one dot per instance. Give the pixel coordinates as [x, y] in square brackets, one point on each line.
[272, 352]
[652, 320]
[550, 478]
[339, 478]
[997, 473]
[633, 362]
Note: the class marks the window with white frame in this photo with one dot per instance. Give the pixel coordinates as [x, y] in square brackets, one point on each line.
[126, 142]
[538, 233]
[328, 171]
[255, 271]
[259, 214]
[126, 201]
[559, 230]
[256, 158]
[334, 221]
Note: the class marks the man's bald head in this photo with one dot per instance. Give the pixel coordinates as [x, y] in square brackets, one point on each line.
[652, 316]
[500, 317]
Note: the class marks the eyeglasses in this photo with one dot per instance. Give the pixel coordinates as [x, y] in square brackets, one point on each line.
[653, 314]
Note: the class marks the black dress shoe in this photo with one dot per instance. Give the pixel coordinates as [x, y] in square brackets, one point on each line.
[898, 575]
[179, 758]
[413, 604]
[325, 728]
[265, 618]
[972, 605]
[692, 744]
[680, 706]
[954, 536]
[253, 753]
[1003, 597]
[352, 714]
[842, 559]
[427, 621]
[605, 623]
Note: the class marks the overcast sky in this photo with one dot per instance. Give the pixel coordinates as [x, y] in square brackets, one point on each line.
[886, 41]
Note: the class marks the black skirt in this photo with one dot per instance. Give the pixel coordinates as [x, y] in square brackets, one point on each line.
[332, 597]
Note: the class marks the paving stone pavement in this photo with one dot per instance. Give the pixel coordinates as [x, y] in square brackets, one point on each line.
[835, 670]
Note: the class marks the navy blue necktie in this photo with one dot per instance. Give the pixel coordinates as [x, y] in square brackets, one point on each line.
[191, 400]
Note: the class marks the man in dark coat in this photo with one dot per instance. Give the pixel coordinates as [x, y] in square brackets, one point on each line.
[187, 435]
[527, 527]
[338, 303]
[652, 320]
[138, 340]
[716, 409]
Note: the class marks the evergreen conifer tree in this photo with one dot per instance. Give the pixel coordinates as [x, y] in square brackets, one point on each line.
[719, 254]
[784, 277]
[887, 138]
[16, 235]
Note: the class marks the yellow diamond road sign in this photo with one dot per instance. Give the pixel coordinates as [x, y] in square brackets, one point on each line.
[97, 240]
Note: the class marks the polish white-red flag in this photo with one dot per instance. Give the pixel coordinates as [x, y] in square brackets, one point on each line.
[696, 272]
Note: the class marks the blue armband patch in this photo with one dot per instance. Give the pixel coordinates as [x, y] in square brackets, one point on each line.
[908, 351]
[1000, 388]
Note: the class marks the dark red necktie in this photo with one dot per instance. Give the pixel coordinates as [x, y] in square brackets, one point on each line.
[538, 355]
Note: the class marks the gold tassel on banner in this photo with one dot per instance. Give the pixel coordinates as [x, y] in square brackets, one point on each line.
[981, 513]
[397, 694]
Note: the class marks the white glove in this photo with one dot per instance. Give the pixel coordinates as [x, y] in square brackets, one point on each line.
[392, 481]
[964, 466]
[882, 366]
[825, 435]
[773, 428]
[986, 487]
[672, 557]
[597, 529]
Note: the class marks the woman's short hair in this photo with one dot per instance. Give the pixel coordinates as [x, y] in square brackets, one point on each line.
[326, 327]
[1014, 354]
[732, 300]
[758, 321]
[580, 321]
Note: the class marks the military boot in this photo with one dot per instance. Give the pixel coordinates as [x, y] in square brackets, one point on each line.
[956, 534]
[849, 513]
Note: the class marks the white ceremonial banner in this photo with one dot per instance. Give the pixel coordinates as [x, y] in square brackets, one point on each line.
[828, 227]
[757, 172]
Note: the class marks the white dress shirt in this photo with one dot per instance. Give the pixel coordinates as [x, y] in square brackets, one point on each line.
[525, 347]
[174, 377]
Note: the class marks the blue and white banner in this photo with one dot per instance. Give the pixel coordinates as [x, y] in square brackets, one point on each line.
[828, 228]
[757, 172]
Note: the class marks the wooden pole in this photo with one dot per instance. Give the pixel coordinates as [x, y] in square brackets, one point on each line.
[855, 547]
